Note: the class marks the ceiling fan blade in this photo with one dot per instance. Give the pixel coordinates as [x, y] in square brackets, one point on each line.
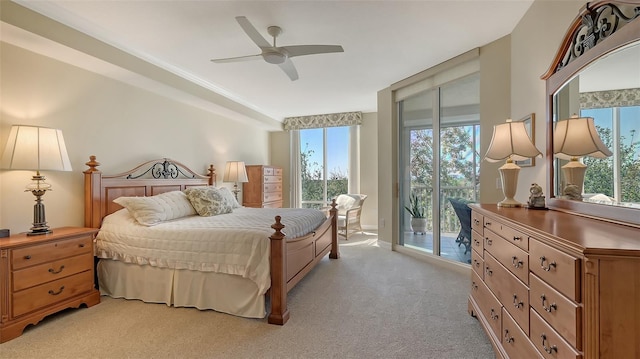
[289, 69]
[301, 50]
[237, 59]
[252, 32]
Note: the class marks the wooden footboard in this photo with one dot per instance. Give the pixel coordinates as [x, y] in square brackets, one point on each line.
[292, 259]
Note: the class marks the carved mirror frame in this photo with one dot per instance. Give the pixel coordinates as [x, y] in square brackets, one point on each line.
[599, 29]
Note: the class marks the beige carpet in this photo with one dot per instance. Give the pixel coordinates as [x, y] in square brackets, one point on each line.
[371, 303]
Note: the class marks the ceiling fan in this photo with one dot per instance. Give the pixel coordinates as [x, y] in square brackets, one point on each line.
[278, 55]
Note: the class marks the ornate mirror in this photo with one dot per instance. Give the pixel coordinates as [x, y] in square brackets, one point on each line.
[596, 74]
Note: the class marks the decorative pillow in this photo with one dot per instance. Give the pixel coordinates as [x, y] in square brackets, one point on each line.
[208, 201]
[150, 211]
[229, 197]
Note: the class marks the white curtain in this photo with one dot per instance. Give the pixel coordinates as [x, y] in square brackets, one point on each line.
[296, 177]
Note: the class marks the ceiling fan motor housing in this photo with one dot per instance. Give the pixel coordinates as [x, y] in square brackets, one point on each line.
[274, 56]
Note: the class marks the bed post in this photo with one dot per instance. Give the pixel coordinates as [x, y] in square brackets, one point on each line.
[333, 212]
[92, 184]
[279, 311]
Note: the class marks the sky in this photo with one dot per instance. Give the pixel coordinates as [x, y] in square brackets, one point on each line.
[337, 147]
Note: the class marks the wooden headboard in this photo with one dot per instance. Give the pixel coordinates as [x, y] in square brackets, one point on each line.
[148, 179]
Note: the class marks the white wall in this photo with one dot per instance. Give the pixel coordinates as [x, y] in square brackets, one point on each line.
[121, 124]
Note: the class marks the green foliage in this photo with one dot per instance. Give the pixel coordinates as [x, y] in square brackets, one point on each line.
[599, 176]
[416, 208]
[313, 182]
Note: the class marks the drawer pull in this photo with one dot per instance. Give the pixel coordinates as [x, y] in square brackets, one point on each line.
[27, 257]
[474, 286]
[517, 238]
[548, 349]
[487, 224]
[476, 242]
[477, 263]
[488, 271]
[476, 221]
[550, 308]
[516, 263]
[549, 267]
[493, 315]
[56, 293]
[507, 338]
[488, 241]
[81, 245]
[516, 303]
[53, 271]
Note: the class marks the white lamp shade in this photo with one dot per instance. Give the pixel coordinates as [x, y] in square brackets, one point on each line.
[577, 137]
[510, 140]
[235, 171]
[35, 148]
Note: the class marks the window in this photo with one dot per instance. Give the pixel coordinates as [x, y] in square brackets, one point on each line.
[324, 164]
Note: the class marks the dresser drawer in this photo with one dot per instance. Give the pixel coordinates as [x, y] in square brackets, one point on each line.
[276, 204]
[561, 313]
[510, 291]
[46, 272]
[558, 269]
[272, 179]
[477, 241]
[548, 342]
[477, 263]
[46, 252]
[43, 295]
[489, 306]
[511, 235]
[268, 171]
[514, 341]
[477, 222]
[272, 196]
[513, 258]
[272, 187]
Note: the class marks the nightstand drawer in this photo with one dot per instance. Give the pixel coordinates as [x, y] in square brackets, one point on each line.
[32, 276]
[43, 295]
[46, 252]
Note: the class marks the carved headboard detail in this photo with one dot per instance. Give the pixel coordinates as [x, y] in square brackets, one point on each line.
[148, 179]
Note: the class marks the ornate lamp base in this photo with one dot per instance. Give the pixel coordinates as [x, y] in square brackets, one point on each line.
[38, 187]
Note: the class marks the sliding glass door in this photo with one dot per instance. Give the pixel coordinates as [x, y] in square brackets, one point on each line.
[440, 163]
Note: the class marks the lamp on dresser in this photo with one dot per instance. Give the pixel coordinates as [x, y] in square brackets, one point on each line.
[235, 171]
[36, 148]
[510, 141]
[573, 138]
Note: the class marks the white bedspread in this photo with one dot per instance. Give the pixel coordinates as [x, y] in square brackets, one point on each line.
[234, 243]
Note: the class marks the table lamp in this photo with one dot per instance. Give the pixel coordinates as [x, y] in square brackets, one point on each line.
[510, 141]
[573, 138]
[235, 171]
[36, 148]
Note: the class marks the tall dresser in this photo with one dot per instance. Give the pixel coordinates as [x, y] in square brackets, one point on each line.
[264, 189]
[548, 284]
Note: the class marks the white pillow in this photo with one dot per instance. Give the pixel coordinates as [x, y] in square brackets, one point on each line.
[208, 201]
[229, 197]
[150, 211]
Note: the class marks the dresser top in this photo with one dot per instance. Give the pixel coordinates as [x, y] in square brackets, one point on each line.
[587, 235]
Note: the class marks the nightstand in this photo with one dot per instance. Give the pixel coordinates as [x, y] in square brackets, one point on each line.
[42, 275]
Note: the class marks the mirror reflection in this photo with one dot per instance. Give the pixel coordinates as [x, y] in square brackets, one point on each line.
[609, 92]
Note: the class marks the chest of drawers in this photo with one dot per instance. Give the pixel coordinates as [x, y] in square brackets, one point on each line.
[264, 189]
[549, 284]
[44, 274]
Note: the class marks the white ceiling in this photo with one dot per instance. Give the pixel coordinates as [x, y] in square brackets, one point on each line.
[384, 42]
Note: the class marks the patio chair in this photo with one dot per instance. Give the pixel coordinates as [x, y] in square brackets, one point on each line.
[464, 216]
[349, 209]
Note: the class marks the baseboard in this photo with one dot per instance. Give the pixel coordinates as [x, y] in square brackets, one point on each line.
[439, 261]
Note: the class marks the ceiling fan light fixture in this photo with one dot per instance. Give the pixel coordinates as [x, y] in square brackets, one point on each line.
[274, 57]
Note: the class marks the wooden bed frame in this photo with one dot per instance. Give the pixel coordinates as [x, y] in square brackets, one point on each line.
[291, 259]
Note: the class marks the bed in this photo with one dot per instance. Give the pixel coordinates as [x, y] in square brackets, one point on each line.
[189, 275]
